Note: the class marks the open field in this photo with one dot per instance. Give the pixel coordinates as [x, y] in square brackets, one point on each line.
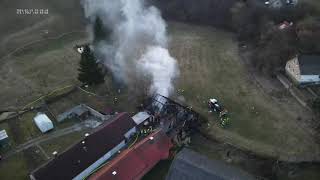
[211, 67]
[62, 143]
[25, 74]
[19, 29]
[17, 167]
[39, 70]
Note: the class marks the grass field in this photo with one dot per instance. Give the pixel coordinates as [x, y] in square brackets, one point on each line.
[211, 67]
[19, 29]
[19, 166]
[27, 76]
[62, 143]
[23, 128]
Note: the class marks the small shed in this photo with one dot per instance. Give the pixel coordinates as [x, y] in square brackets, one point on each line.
[43, 122]
[140, 117]
[190, 165]
[3, 137]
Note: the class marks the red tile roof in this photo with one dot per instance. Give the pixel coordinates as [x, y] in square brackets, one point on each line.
[134, 163]
[77, 158]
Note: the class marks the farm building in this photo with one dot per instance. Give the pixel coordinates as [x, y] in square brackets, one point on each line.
[304, 69]
[82, 112]
[135, 162]
[82, 158]
[189, 165]
[43, 122]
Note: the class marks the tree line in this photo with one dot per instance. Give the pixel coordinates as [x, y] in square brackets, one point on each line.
[270, 46]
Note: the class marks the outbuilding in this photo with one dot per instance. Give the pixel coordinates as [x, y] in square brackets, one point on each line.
[140, 117]
[43, 122]
[190, 165]
[304, 69]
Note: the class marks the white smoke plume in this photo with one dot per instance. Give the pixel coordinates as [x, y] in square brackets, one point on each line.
[138, 42]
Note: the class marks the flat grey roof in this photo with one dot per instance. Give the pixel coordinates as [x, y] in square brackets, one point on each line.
[140, 117]
[309, 64]
[190, 165]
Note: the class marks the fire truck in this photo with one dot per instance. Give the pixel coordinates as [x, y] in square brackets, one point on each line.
[222, 112]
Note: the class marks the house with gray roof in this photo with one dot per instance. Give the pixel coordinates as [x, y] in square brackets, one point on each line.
[304, 69]
[190, 165]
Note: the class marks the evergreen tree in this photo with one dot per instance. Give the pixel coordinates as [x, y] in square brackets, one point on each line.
[100, 31]
[89, 71]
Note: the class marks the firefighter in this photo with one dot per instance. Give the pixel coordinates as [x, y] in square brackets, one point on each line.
[115, 101]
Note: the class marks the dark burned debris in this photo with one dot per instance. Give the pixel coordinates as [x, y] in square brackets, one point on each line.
[178, 121]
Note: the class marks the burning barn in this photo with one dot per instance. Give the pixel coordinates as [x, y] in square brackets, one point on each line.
[173, 117]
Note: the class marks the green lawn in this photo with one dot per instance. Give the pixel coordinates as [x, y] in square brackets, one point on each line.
[14, 168]
[62, 143]
[211, 67]
[22, 129]
[28, 127]
[49, 44]
[18, 166]
[40, 69]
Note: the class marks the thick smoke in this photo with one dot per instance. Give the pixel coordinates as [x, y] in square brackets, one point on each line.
[138, 42]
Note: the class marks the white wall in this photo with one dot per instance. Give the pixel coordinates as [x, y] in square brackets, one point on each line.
[309, 78]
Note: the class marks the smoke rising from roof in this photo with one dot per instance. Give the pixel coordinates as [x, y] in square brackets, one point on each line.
[137, 45]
